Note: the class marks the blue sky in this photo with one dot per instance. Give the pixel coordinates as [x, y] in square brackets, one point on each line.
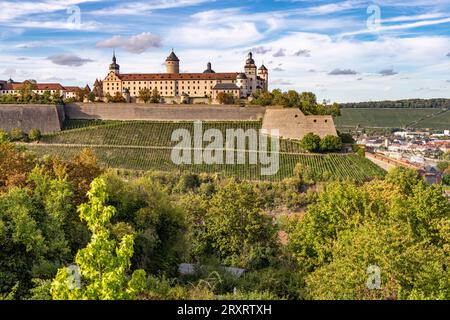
[348, 50]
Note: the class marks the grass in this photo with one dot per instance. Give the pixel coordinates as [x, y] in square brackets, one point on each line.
[145, 145]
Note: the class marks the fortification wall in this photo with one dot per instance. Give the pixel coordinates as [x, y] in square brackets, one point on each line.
[163, 112]
[46, 118]
[293, 124]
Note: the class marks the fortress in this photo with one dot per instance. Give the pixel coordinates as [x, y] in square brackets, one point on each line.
[176, 87]
[174, 90]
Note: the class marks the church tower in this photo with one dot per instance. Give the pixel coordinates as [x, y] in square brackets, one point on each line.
[250, 72]
[114, 67]
[173, 63]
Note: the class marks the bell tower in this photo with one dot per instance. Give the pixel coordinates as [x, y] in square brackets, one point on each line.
[250, 72]
[114, 67]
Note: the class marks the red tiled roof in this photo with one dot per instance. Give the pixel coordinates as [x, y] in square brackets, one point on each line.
[177, 76]
[39, 86]
[72, 89]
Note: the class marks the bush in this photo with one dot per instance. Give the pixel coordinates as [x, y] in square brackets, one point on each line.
[446, 179]
[34, 135]
[311, 142]
[4, 136]
[331, 143]
[17, 134]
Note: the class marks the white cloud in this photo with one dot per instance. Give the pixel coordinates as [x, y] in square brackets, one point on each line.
[134, 44]
[223, 36]
[141, 8]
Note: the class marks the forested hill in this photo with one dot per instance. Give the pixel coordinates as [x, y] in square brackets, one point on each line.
[410, 103]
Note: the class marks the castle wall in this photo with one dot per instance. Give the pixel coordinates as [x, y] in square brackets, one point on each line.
[163, 112]
[46, 118]
[293, 124]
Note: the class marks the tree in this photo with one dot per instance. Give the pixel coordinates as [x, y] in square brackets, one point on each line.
[406, 179]
[331, 143]
[408, 270]
[91, 97]
[308, 103]
[310, 142]
[26, 91]
[446, 179]
[400, 227]
[237, 232]
[103, 264]
[108, 97]
[145, 210]
[57, 97]
[225, 98]
[118, 98]
[32, 238]
[145, 95]
[156, 97]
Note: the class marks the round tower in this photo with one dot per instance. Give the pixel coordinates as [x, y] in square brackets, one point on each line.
[114, 67]
[173, 63]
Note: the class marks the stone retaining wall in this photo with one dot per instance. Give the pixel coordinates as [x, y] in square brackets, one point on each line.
[46, 118]
[163, 112]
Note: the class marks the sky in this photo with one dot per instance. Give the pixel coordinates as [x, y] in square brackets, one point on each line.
[344, 51]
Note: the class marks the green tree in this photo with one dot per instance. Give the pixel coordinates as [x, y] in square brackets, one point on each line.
[32, 236]
[308, 103]
[156, 96]
[237, 231]
[407, 179]
[145, 95]
[91, 96]
[103, 264]
[330, 143]
[310, 142]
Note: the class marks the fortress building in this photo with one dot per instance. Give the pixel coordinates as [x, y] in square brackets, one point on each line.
[11, 87]
[178, 87]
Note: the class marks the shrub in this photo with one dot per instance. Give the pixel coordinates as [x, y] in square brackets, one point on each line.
[311, 142]
[331, 143]
[4, 136]
[34, 135]
[17, 134]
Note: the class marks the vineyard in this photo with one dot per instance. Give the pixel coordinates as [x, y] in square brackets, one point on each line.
[146, 146]
[389, 118]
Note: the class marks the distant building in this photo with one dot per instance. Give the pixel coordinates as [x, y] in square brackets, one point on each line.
[12, 87]
[174, 86]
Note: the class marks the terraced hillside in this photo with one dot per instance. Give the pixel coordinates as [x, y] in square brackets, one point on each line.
[393, 118]
[148, 146]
